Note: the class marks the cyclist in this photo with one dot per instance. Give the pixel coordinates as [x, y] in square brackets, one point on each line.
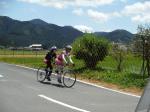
[49, 60]
[62, 59]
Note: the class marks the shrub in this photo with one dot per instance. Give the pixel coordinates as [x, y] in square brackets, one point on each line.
[91, 49]
[119, 52]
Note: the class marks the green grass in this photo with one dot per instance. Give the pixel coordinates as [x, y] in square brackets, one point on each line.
[34, 62]
[124, 79]
[105, 71]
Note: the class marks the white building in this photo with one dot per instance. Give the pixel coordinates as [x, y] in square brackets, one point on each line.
[36, 47]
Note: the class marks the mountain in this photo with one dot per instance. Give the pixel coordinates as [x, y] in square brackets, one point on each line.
[24, 33]
[117, 35]
[38, 22]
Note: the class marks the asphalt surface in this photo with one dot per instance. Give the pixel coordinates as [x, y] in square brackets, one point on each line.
[20, 92]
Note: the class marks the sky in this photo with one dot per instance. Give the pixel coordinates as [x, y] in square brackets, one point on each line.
[85, 15]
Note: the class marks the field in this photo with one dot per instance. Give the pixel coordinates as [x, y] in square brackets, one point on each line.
[20, 52]
[105, 72]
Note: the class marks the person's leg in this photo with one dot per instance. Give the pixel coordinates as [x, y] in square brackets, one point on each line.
[49, 72]
[59, 74]
[46, 69]
[51, 69]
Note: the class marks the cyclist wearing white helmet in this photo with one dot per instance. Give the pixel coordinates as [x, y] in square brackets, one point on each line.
[49, 59]
[62, 59]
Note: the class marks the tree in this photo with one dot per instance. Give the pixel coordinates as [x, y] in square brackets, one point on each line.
[142, 40]
[91, 49]
[118, 53]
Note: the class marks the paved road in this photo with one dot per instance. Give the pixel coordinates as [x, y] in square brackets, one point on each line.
[20, 92]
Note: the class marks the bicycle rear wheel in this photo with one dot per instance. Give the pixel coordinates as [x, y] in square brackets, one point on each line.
[41, 74]
[69, 79]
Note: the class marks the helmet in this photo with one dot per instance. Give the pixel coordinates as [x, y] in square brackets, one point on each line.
[53, 48]
[68, 47]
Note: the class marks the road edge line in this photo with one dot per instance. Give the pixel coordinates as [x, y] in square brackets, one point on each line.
[117, 91]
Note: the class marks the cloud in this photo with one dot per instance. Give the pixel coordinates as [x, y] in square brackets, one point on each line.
[92, 3]
[84, 28]
[48, 3]
[78, 12]
[139, 12]
[66, 3]
[101, 16]
[141, 19]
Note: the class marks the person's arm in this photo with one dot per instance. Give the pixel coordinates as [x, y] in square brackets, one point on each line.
[63, 56]
[46, 57]
[70, 59]
[54, 58]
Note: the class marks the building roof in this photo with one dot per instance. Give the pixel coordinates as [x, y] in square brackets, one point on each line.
[36, 45]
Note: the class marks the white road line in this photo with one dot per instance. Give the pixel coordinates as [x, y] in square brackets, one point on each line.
[63, 104]
[1, 75]
[25, 67]
[117, 91]
[125, 93]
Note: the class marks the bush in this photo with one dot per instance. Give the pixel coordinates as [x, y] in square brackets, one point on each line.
[91, 49]
[119, 52]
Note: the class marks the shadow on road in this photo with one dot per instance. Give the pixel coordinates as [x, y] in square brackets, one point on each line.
[53, 84]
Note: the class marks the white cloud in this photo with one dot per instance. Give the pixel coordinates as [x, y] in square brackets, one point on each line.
[101, 16]
[139, 12]
[65, 3]
[141, 19]
[78, 12]
[92, 3]
[48, 3]
[84, 28]
[115, 14]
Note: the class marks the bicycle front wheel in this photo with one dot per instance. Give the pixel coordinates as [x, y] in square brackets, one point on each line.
[69, 78]
[41, 74]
